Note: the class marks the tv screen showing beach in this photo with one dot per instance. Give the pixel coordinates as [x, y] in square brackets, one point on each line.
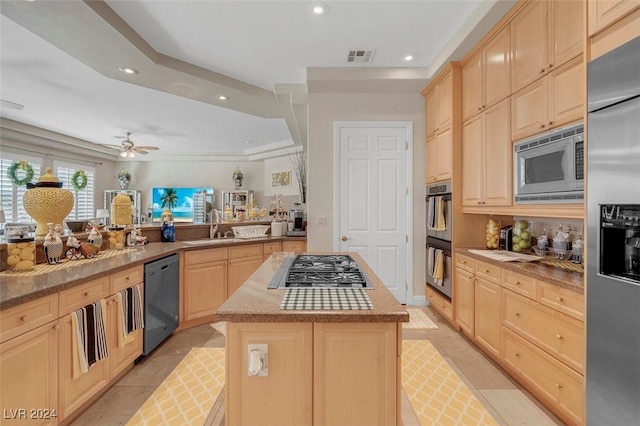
[186, 204]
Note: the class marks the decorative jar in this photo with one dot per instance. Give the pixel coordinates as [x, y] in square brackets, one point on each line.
[121, 210]
[46, 202]
[493, 234]
[21, 254]
[521, 238]
[116, 238]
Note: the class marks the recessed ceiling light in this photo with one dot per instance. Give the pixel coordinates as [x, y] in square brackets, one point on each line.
[223, 97]
[409, 58]
[247, 142]
[128, 70]
[320, 9]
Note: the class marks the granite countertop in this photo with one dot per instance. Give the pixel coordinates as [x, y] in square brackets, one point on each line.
[17, 288]
[557, 276]
[254, 302]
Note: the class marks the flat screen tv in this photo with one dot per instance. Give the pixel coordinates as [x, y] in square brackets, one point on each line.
[186, 204]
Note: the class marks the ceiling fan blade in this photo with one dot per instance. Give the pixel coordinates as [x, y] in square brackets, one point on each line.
[148, 148]
[140, 151]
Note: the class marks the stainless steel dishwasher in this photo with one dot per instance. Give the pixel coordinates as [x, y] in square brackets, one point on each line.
[161, 293]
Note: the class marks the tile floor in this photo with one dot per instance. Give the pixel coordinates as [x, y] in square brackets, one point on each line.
[505, 399]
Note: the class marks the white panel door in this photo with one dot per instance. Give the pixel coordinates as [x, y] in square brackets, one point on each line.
[372, 199]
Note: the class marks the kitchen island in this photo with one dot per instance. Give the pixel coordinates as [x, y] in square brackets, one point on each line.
[322, 367]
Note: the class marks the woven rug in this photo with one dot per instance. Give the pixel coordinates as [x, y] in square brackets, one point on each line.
[188, 394]
[325, 299]
[418, 320]
[436, 393]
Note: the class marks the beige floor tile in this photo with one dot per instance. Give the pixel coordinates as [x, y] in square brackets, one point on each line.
[408, 415]
[494, 413]
[516, 408]
[482, 372]
[116, 406]
[152, 371]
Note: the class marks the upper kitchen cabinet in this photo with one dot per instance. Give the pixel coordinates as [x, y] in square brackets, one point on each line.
[553, 101]
[442, 103]
[486, 159]
[544, 35]
[486, 76]
[603, 13]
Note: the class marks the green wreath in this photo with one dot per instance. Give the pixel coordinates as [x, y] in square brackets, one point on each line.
[79, 180]
[12, 173]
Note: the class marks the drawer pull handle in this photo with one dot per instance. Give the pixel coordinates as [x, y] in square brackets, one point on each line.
[517, 282]
[23, 318]
[127, 279]
[517, 355]
[486, 271]
[86, 293]
[559, 385]
[517, 314]
[560, 299]
[559, 337]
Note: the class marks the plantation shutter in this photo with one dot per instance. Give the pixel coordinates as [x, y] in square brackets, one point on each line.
[83, 207]
[10, 194]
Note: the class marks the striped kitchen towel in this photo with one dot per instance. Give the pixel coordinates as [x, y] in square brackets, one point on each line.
[89, 336]
[130, 316]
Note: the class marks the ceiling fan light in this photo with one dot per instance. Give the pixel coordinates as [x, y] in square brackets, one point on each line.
[123, 154]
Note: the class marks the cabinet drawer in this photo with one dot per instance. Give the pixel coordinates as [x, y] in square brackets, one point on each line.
[560, 385]
[272, 247]
[80, 296]
[245, 251]
[27, 316]
[556, 333]
[488, 271]
[519, 283]
[294, 246]
[207, 255]
[464, 262]
[562, 299]
[442, 305]
[127, 278]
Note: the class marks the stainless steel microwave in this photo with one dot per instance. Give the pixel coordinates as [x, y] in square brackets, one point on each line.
[549, 168]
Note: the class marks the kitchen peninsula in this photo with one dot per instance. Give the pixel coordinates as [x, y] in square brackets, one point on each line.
[322, 367]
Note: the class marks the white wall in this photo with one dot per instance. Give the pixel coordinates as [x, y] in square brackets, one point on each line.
[324, 109]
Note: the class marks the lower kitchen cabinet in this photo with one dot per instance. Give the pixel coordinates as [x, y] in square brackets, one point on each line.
[122, 356]
[29, 376]
[488, 332]
[440, 304]
[285, 395]
[464, 300]
[318, 373]
[240, 270]
[205, 282]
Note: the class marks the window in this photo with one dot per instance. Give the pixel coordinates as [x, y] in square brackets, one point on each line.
[10, 194]
[83, 207]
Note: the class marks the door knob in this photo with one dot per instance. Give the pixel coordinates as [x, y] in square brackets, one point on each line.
[345, 238]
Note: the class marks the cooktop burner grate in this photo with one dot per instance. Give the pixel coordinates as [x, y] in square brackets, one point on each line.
[320, 271]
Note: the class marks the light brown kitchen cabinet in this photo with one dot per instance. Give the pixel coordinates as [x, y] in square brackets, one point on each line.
[550, 102]
[487, 158]
[29, 376]
[486, 76]
[241, 269]
[544, 35]
[294, 246]
[123, 357]
[288, 384]
[488, 333]
[270, 248]
[439, 154]
[205, 282]
[440, 304]
[463, 299]
[602, 13]
[439, 105]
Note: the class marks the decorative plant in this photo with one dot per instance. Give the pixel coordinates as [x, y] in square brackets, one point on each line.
[299, 162]
[169, 198]
[124, 177]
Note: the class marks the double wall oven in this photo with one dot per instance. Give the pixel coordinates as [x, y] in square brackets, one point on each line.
[438, 243]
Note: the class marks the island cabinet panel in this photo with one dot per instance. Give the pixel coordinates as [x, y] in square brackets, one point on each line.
[285, 395]
[29, 376]
[205, 288]
[355, 374]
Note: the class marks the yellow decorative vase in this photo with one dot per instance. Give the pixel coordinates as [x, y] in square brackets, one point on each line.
[47, 202]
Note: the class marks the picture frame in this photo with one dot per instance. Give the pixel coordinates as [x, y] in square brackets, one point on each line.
[280, 179]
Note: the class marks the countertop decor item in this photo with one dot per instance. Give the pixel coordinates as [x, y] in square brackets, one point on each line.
[79, 180]
[53, 246]
[23, 168]
[124, 179]
[121, 210]
[238, 178]
[95, 237]
[46, 203]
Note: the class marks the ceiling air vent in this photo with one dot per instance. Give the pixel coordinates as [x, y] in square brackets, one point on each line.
[361, 56]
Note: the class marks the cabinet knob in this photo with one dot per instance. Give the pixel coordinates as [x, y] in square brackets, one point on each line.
[559, 337]
[542, 70]
[542, 126]
[517, 314]
[517, 355]
[479, 202]
[127, 279]
[550, 66]
[486, 271]
[479, 108]
[484, 202]
[560, 299]
[517, 282]
[550, 123]
[464, 262]
[559, 385]
[86, 293]
[56, 327]
[23, 318]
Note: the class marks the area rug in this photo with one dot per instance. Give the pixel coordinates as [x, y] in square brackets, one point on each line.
[188, 394]
[220, 327]
[418, 320]
[436, 393]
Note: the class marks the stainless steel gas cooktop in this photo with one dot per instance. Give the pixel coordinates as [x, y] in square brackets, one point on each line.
[320, 271]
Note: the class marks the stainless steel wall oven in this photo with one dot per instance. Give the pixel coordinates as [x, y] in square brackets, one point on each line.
[438, 242]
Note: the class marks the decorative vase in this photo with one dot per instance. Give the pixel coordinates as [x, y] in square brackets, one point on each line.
[52, 246]
[124, 178]
[47, 202]
[121, 210]
[238, 178]
[166, 215]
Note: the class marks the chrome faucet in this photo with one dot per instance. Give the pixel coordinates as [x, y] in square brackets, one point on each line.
[216, 218]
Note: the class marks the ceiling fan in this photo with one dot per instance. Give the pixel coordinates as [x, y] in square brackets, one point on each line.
[129, 150]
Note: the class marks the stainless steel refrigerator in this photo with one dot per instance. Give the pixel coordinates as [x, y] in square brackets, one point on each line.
[613, 215]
